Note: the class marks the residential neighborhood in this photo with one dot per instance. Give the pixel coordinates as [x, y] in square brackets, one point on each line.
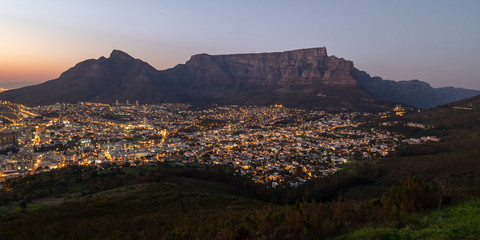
[272, 144]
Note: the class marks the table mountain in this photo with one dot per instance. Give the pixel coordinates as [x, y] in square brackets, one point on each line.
[306, 78]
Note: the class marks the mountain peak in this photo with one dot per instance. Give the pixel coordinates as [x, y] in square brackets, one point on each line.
[117, 54]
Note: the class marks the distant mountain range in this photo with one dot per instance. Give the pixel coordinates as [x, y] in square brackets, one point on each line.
[306, 77]
[12, 85]
[414, 92]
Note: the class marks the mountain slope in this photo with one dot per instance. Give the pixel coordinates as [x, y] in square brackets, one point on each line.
[104, 80]
[414, 92]
[460, 114]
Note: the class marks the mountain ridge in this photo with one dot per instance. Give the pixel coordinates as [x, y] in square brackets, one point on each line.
[303, 77]
[411, 92]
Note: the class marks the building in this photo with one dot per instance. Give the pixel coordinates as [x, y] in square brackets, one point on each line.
[8, 138]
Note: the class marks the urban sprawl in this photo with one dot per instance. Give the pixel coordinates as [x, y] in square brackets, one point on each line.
[272, 144]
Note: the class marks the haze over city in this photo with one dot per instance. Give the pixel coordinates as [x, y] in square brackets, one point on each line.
[434, 41]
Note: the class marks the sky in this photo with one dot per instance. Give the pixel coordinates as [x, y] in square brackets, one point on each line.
[437, 41]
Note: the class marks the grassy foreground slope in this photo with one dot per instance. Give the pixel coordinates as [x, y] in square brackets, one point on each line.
[176, 208]
[457, 222]
[146, 204]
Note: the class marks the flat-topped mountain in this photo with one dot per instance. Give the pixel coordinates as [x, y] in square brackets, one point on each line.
[299, 67]
[305, 77]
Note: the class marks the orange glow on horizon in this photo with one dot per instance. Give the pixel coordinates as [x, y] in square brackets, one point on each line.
[23, 61]
[34, 68]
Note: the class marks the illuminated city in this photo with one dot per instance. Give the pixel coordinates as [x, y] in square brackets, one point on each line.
[272, 144]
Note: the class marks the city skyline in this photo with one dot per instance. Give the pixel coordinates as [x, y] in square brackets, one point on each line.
[433, 41]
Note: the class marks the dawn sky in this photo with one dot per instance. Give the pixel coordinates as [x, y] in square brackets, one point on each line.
[435, 41]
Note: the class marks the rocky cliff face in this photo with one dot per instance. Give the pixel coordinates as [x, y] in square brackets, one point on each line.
[306, 77]
[298, 67]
